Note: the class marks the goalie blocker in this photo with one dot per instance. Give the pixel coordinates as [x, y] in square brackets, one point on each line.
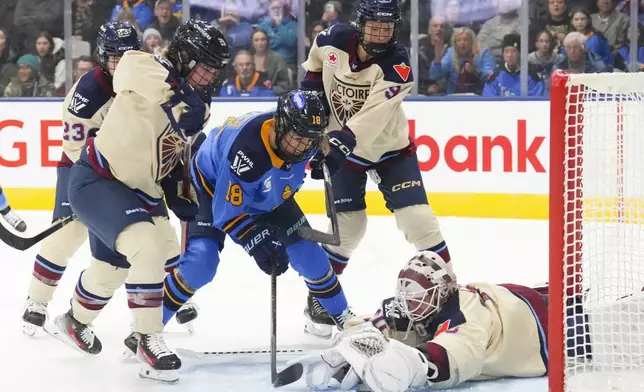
[435, 333]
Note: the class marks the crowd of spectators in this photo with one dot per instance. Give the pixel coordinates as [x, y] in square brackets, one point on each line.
[473, 48]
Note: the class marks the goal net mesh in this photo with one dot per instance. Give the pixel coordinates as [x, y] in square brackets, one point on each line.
[604, 233]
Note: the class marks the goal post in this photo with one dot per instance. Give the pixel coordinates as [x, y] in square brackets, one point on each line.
[596, 232]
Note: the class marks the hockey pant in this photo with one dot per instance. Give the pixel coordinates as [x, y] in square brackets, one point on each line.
[57, 249]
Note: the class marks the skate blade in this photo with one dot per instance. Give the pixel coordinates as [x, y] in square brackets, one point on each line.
[128, 356]
[164, 376]
[319, 330]
[54, 332]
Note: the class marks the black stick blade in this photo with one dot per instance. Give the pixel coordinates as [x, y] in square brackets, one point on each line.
[289, 375]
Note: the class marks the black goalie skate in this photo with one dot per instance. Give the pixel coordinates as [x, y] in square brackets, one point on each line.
[76, 334]
[318, 322]
[34, 317]
[159, 362]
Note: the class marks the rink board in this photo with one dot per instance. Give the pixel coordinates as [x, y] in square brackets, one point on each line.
[478, 157]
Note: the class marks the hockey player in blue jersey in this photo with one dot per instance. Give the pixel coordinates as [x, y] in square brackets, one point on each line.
[247, 172]
[9, 215]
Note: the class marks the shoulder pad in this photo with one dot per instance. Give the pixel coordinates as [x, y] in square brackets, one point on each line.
[88, 96]
[248, 157]
[337, 36]
[394, 319]
[396, 65]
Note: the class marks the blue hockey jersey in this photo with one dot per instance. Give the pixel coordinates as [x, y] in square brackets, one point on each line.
[503, 83]
[238, 168]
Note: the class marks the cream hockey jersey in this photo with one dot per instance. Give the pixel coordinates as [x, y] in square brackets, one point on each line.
[84, 109]
[136, 141]
[365, 96]
[484, 331]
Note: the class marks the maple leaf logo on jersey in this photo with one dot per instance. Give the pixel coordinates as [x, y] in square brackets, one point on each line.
[170, 148]
[347, 99]
[402, 70]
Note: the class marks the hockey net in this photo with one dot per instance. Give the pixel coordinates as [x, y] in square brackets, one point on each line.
[596, 320]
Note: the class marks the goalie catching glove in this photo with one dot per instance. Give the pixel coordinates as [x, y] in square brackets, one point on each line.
[363, 354]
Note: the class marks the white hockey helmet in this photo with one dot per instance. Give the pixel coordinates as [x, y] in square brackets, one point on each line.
[424, 285]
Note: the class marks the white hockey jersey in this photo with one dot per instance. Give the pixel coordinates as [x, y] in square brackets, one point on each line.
[84, 109]
[365, 96]
[136, 143]
[484, 331]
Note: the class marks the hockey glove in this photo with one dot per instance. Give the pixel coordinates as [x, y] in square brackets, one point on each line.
[193, 118]
[185, 205]
[262, 245]
[341, 144]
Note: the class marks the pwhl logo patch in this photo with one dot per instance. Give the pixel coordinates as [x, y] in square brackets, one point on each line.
[241, 163]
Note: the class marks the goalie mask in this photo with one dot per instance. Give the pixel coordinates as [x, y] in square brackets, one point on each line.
[424, 285]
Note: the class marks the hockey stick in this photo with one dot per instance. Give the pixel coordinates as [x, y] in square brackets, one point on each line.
[274, 379]
[310, 234]
[22, 243]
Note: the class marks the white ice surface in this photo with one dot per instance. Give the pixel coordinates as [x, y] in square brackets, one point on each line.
[235, 310]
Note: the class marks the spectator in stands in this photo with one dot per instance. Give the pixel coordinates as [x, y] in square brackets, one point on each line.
[464, 66]
[140, 9]
[438, 34]
[625, 7]
[248, 82]
[331, 15]
[544, 58]
[52, 59]
[127, 15]
[506, 80]
[581, 22]
[625, 50]
[32, 17]
[27, 82]
[270, 66]
[610, 22]
[557, 23]
[7, 58]
[7, 11]
[281, 29]
[82, 65]
[492, 32]
[237, 32]
[151, 40]
[579, 59]
[316, 27]
[87, 17]
[164, 21]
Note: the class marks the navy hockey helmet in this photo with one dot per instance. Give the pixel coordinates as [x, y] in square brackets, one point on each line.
[377, 41]
[114, 39]
[300, 123]
[197, 42]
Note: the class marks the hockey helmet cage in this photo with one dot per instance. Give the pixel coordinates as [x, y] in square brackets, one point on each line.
[384, 11]
[114, 39]
[195, 42]
[300, 112]
[424, 284]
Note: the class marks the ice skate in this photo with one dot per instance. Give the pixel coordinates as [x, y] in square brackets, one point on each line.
[131, 342]
[14, 219]
[34, 317]
[317, 320]
[76, 334]
[187, 314]
[159, 362]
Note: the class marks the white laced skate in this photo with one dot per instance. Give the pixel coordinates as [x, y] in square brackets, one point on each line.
[14, 220]
[158, 361]
[34, 317]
